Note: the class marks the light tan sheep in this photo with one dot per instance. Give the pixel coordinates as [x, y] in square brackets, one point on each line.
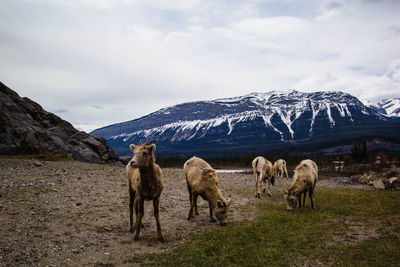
[263, 172]
[145, 182]
[202, 181]
[304, 179]
[280, 168]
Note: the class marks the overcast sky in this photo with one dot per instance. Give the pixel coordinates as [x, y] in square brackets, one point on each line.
[99, 62]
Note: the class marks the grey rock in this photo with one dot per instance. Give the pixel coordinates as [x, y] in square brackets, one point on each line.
[378, 184]
[26, 128]
[394, 182]
[37, 163]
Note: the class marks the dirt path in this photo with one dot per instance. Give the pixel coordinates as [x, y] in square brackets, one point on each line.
[73, 213]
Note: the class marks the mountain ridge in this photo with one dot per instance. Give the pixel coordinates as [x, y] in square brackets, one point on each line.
[273, 119]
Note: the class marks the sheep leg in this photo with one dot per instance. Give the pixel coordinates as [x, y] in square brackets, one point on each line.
[190, 214]
[137, 214]
[269, 187]
[299, 200]
[263, 184]
[304, 198]
[196, 212]
[131, 201]
[212, 217]
[156, 207]
[287, 176]
[190, 200]
[256, 174]
[139, 207]
[310, 193]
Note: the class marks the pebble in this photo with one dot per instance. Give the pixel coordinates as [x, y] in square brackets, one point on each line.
[78, 204]
[37, 163]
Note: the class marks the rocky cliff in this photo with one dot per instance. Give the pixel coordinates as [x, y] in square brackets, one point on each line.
[26, 128]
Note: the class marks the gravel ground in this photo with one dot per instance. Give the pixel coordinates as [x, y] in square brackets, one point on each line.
[72, 213]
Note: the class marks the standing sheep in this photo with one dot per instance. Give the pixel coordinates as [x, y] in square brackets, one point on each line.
[280, 168]
[202, 180]
[304, 179]
[145, 182]
[263, 172]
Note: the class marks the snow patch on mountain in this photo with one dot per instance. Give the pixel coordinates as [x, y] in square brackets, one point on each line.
[391, 106]
[292, 115]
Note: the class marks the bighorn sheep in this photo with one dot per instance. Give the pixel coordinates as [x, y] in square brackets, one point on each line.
[279, 168]
[145, 182]
[202, 180]
[262, 170]
[304, 179]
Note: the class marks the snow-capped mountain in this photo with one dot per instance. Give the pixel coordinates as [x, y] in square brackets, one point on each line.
[391, 107]
[253, 122]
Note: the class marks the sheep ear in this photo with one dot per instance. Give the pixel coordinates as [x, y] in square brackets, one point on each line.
[132, 147]
[153, 148]
[220, 204]
[228, 202]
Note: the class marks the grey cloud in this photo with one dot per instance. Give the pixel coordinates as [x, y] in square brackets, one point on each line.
[394, 29]
[89, 61]
[356, 68]
[334, 5]
[60, 111]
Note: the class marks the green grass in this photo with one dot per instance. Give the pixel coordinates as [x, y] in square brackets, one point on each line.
[347, 228]
[46, 156]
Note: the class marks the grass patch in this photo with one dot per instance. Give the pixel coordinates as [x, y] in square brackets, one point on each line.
[46, 156]
[348, 227]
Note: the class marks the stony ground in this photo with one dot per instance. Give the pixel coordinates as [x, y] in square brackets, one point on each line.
[72, 213]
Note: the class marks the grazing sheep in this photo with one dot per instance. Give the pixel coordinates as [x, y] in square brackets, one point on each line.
[145, 182]
[202, 180]
[279, 168]
[304, 179]
[263, 172]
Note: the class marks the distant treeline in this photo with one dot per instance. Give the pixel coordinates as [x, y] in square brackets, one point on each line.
[359, 154]
[244, 161]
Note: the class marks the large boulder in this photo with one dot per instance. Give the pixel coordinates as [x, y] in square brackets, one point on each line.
[394, 182]
[26, 128]
[378, 184]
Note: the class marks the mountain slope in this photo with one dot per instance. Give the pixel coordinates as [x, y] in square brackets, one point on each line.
[26, 128]
[254, 122]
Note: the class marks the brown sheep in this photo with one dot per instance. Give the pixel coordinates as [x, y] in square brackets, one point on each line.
[304, 179]
[263, 172]
[202, 180]
[145, 182]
